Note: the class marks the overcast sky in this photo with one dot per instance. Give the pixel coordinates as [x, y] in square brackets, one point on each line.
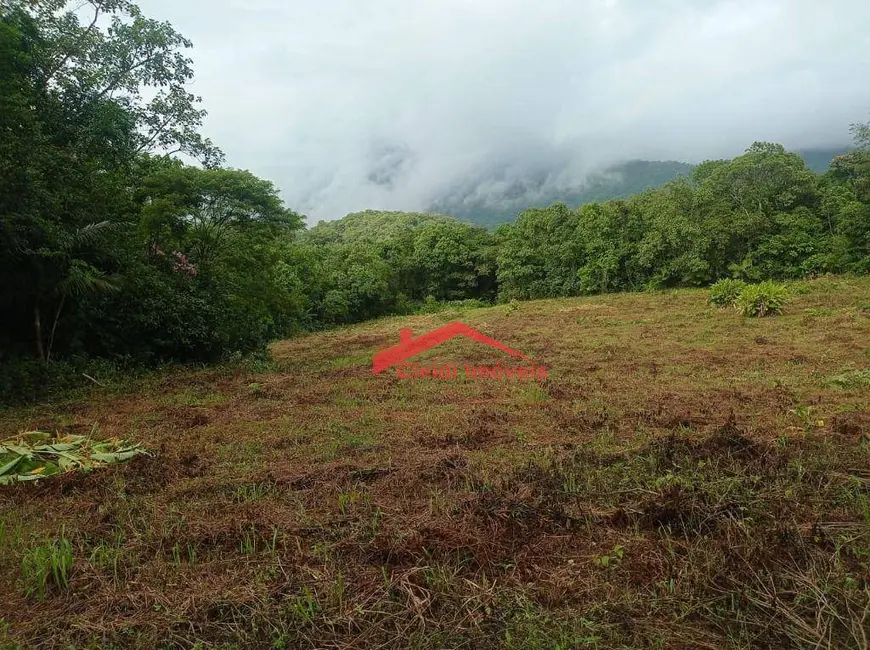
[354, 104]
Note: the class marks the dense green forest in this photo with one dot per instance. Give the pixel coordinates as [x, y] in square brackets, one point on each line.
[114, 252]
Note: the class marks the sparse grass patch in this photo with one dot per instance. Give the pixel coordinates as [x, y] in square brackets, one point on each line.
[821, 311]
[248, 492]
[849, 380]
[244, 454]
[535, 393]
[348, 498]
[253, 541]
[109, 556]
[340, 439]
[47, 565]
[361, 360]
[11, 536]
[195, 397]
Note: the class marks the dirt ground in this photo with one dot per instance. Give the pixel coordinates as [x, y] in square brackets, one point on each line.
[683, 478]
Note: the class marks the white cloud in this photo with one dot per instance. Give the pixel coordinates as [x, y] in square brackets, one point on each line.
[322, 97]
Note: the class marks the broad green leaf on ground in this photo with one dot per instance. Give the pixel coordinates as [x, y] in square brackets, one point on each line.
[33, 455]
[8, 467]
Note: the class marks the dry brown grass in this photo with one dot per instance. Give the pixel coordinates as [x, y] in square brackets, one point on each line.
[685, 477]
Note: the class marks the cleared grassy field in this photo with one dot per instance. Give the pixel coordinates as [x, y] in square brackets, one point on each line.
[684, 478]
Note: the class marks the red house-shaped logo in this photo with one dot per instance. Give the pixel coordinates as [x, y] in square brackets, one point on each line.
[409, 346]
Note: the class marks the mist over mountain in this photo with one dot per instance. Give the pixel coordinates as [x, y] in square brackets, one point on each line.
[494, 200]
[391, 105]
[499, 195]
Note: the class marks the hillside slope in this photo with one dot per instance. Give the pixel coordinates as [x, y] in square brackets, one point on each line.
[683, 478]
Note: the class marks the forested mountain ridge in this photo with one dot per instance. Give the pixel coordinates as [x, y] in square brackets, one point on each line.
[489, 209]
[819, 160]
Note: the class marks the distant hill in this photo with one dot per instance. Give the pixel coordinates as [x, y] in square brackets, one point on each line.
[501, 201]
[492, 207]
[819, 160]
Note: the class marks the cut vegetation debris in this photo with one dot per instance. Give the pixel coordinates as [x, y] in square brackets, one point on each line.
[33, 455]
[686, 478]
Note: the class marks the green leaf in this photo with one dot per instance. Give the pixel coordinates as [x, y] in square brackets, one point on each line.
[10, 466]
[116, 456]
[21, 451]
[29, 477]
[49, 468]
[67, 446]
[35, 436]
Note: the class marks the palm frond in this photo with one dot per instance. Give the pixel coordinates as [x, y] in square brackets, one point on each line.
[93, 233]
[84, 279]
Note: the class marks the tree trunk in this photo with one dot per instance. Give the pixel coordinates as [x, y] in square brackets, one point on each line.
[53, 328]
[37, 326]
